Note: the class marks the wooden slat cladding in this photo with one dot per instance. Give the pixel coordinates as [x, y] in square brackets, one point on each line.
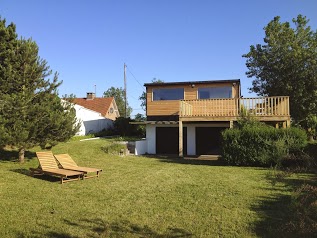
[163, 108]
[171, 107]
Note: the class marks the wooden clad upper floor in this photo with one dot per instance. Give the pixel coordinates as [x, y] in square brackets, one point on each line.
[163, 99]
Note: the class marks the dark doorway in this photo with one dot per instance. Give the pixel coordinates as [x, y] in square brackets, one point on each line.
[208, 140]
[167, 140]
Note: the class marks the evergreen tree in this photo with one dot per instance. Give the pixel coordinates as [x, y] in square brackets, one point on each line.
[31, 113]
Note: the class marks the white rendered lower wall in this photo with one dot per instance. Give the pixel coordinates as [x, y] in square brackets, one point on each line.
[151, 139]
[140, 147]
[191, 140]
[191, 135]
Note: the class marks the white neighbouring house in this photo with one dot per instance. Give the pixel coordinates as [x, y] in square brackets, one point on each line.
[95, 114]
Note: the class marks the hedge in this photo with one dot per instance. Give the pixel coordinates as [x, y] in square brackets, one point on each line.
[260, 144]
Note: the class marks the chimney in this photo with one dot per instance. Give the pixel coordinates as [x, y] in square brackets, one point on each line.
[90, 96]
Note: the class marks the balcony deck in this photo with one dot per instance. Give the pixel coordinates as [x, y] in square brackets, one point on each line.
[229, 109]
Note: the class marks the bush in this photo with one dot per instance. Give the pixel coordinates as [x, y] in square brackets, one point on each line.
[299, 162]
[311, 150]
[122, 127]
[105, 132]
[260, 145]
[114, 148]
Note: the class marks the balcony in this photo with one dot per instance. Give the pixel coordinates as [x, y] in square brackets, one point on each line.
[229, 109]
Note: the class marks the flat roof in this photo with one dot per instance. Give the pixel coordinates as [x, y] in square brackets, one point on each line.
[194, 82]
[153, 122]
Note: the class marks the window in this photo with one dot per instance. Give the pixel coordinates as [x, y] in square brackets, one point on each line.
[168, 94]
[215, 92]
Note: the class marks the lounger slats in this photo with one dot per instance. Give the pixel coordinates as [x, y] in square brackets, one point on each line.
[46, 160]
[48, 165]
[68, 163]
[65, 160]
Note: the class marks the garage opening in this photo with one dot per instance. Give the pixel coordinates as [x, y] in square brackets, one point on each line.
[167, 140]
[208, 140]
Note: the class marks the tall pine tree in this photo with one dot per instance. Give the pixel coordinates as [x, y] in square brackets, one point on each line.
[31, 113]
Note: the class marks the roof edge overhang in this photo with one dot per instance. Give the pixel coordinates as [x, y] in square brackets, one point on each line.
[154, 123]
[194, 82]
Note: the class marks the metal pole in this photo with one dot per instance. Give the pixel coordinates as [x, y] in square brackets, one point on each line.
[125, 91]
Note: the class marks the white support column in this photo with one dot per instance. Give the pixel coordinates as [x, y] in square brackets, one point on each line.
[180, 139]
[151, 139]
[191, 139]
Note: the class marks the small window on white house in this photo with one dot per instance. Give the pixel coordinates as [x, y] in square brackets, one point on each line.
[168, 94]
[214, 92]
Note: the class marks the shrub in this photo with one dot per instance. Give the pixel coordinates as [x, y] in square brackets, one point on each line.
[123, 127]
[105, 132]
[114, 148]
[258, 144]
[311, 149]
[298, 162]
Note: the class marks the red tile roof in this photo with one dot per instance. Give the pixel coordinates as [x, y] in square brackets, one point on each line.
[100, 105]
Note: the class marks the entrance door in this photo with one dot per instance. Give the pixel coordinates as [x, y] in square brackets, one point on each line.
[167, 140]
[208, 140]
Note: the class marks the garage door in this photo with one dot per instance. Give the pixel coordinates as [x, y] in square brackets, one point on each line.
[167, 140]
[208, 140]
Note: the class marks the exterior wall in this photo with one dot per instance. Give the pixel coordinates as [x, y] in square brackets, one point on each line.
[171, 107]
[141, 147]
[91, 121]
[114, 114]
[151, 139]
[191, 140]
[191, 135]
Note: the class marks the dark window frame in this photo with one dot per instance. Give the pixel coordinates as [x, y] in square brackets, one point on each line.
[210, 93]
[158, 94]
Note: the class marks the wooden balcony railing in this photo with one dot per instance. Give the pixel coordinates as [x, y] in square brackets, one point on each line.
[226, 107]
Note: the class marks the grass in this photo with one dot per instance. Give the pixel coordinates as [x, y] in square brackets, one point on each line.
[140, 197]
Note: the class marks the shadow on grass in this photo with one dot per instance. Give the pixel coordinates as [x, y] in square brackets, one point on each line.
[277, 216]
[22, 171]
[101, 228]
[187, 160]
[51, 234]
[125, 229]
[13, 155]
[43, 177]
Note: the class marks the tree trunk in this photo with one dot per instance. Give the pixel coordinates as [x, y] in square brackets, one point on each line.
[21, 155]
[310, 134]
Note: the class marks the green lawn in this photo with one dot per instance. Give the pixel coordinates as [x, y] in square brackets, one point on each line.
[140, 197]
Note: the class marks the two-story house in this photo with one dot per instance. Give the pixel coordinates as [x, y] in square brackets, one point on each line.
[186, 118]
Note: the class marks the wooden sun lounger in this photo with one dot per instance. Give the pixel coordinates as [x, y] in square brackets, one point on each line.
[68, 163]
[49, 166]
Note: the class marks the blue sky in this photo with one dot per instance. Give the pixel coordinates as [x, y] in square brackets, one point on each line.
[88, 42]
